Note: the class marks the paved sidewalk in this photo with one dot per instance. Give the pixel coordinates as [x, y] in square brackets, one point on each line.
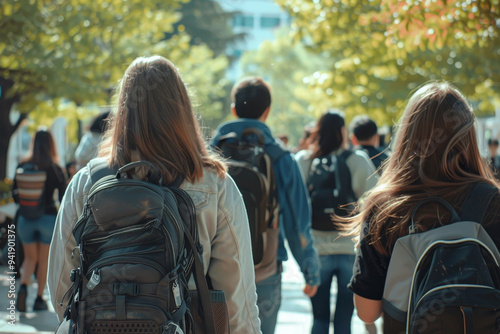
[13, 321]
[294, 316]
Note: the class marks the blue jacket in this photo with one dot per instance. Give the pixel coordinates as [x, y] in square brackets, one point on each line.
[295, 208]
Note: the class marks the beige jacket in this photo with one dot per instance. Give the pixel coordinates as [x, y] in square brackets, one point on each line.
[224, 235]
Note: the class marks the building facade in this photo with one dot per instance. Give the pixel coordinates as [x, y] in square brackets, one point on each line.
[258, 20]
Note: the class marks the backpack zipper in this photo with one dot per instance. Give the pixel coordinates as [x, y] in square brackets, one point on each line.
[83, 216]
[102, 262]
[442, 287]
[120, 231]
[172, 250]
[192, 214]
[177, 229]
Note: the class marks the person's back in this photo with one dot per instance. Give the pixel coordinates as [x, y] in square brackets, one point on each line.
[35, 229]
[364, 136]
[251, 104]
[447, 168]
[165, 133]
[336, 178]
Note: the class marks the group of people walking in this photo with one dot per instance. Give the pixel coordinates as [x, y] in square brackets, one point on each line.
[435, 153]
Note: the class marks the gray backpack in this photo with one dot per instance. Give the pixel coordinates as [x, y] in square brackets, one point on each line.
[447, 279]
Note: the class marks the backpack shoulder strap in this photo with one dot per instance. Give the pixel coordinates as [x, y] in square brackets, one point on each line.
[344, 155]
[477, 202]
[344, 181]
[98, 168]
[275, 151]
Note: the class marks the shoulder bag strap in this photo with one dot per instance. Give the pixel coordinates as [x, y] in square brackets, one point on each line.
[201, 284]
[344, 182]
[99, 169]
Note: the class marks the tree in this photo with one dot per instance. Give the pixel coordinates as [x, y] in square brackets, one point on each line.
[379, 51]
[207, 23]
[71, 54]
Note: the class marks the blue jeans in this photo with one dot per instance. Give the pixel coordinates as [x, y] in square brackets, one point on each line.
[36, 230]
[339, 265]
[269, 301]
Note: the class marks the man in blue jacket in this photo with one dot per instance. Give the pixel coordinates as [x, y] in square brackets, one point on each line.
[251, 104]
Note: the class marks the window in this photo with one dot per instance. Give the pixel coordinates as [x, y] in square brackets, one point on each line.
[269, 22]
[243, 21]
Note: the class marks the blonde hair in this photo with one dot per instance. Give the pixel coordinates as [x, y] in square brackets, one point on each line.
[154, 118]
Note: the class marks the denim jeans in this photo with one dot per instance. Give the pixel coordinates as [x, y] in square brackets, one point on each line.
[36, 230]
[339, 265]
[269, 301]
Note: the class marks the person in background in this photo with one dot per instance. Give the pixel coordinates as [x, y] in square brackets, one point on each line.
[305, 140]
[436, 113]
[162, 128]
[36, 234]
[494, 158]
[70, 170]
[337, 253]
[89, 144]
[364, 135]
[284, 139]
[251, 105]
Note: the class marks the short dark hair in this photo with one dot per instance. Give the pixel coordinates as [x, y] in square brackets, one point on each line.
[492, 142]
[363, 127]
[251, 97]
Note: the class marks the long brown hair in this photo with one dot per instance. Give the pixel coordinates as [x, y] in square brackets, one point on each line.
[435, 154]
[155, 121]
[43, 152]
[327, 134]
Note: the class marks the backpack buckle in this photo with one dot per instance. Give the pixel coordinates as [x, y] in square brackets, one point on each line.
[131, 289]
[412, 229]
[172, 328]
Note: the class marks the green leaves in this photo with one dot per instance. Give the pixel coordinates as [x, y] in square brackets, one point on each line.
[77, 51]
[377, 52]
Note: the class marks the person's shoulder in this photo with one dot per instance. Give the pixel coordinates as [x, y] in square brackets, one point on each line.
[276, 149]
[494, 207]
[80, 183]
[210, 182]
[359, 156]
[55, 166]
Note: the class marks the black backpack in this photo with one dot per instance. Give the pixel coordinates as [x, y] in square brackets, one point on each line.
[330, 189]
[30, 190]
[447, 279]
[250, 164]
[138, 245]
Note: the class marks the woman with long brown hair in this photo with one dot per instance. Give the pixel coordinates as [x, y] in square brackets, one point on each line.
[154, 121]
[35, 231]
[435, 155]
[329, 143]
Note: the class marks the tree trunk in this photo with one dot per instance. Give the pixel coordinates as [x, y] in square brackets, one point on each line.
[6, 128]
